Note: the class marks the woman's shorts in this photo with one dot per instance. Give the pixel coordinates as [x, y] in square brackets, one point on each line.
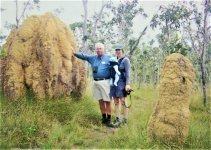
[119, 90]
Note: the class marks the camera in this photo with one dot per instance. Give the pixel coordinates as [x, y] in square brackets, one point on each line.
[95, 69]
[127, 92]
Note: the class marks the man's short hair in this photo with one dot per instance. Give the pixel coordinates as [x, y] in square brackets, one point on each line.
[99, 45]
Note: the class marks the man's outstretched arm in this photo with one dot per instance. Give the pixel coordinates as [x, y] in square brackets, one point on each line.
[83, 56]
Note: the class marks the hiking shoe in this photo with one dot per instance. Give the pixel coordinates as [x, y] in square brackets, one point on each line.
[124, 121]
[109, 124]
[104, 121]
[116, 122]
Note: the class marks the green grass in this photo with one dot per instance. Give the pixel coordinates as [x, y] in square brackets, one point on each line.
[134, 135]
[72, 123]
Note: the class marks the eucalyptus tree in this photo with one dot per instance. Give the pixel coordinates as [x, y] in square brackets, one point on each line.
[123, 16]
[20, 14]
[188, 19]
[89, 35]
[205, 32]
[170, 20]
[93, 29]
[146, 64]
[200, 38]
[112, 23]
[104, 31]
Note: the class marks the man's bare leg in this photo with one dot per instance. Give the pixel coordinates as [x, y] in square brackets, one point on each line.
[108, 112]
[103, 110]
[108, 107]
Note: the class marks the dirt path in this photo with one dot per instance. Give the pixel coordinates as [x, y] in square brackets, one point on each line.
[97, 134]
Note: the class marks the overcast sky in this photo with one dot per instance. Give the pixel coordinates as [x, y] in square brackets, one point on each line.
[73, 9]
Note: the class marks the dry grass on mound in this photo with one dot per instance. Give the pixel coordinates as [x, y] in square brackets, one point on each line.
[40, 58]
[169, 122]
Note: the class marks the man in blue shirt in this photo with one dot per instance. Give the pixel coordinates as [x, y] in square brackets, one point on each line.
[101, 84]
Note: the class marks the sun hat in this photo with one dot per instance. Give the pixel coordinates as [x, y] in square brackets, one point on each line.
[118, 46]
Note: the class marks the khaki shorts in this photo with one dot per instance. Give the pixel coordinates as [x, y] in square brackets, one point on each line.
[101, 90]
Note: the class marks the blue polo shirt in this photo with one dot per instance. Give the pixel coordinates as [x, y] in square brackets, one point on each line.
[102, 64]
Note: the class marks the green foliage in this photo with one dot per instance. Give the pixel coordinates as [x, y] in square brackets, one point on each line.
[124, 14]
[172, 16]
[208, 63]
[114, 25]
[75, 25]
[123, 17]
[187, 19]
[175, 46]
[3, 52]
[178, 48]
[146, 63]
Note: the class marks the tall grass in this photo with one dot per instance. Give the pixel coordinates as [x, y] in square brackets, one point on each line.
[55, 123]
[71, 123]
[200, 132]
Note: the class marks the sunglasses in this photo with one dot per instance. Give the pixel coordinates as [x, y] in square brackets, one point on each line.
[117, 49]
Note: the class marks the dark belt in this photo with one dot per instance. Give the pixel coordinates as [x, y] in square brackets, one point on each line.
[98, 79]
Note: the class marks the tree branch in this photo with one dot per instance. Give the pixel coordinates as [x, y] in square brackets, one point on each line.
[17, 21]
[24, 10]
[137, 41]
[140, 36]
[98, 19]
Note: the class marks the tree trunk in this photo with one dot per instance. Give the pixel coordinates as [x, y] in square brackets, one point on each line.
[18, 19]
[143, 77]
[85, 35]
[97, 20]
[159, 66]
[138, 40]
[203, 53]
[139, 83]
[91, 35]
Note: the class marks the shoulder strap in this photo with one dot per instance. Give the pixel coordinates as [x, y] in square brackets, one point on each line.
[121, 70]
[120, 61]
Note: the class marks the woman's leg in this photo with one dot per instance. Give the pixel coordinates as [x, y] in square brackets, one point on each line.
[116, 103]
[117, 112]
[125, 109]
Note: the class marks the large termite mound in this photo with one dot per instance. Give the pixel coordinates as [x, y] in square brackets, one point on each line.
[169, 122]
[40, 59]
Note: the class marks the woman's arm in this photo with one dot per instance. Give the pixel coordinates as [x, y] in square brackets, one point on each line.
[127, 73]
